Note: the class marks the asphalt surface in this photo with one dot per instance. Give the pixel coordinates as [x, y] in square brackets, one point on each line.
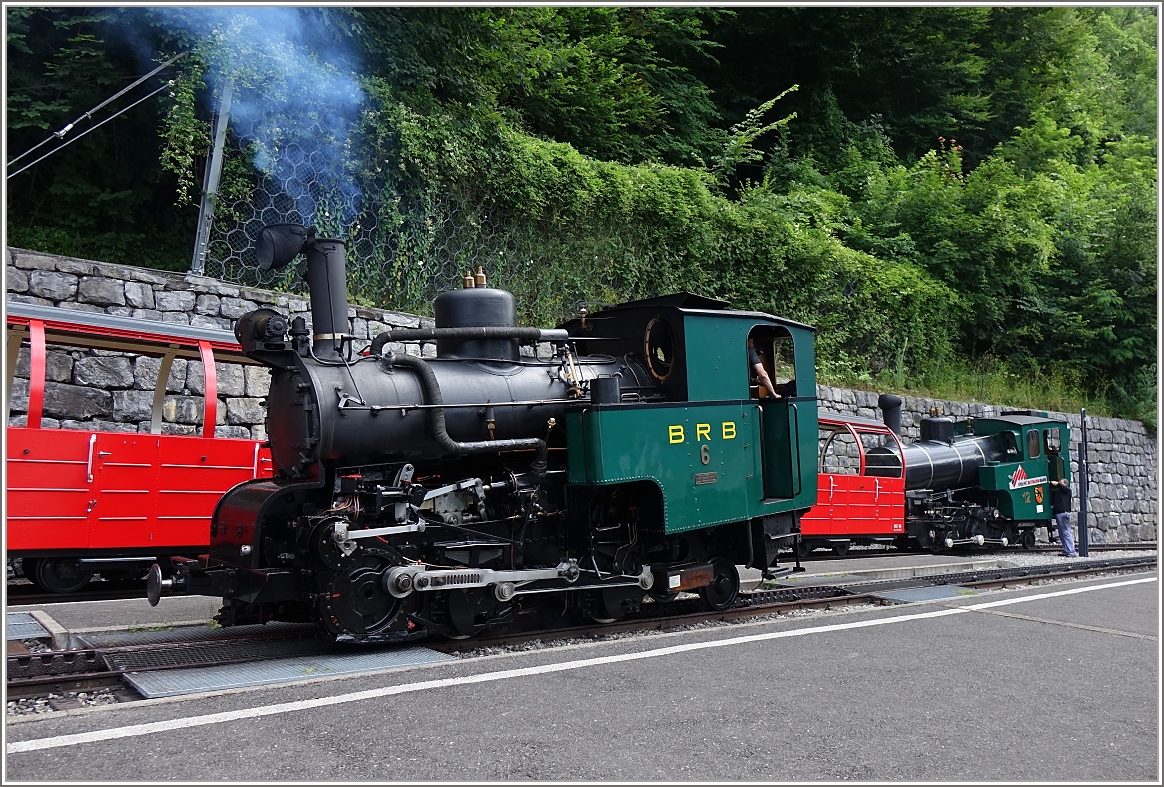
[1063, 686]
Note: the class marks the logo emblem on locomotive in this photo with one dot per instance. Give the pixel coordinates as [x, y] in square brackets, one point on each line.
[1019, 480]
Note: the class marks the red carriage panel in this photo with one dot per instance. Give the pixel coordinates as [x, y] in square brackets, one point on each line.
[861, 486]
[193, 473]
[124, 477]
[91, 496]
[48, 489]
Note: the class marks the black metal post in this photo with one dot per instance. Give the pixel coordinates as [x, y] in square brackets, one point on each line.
[1082, 546]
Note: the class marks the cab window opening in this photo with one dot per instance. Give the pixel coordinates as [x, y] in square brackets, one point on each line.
[1033, 444]
[775, 349]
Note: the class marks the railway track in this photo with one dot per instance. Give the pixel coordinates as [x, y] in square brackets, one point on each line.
[63, 672]
[22, 593]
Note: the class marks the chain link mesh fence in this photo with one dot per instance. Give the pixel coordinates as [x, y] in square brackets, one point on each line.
[403, 262]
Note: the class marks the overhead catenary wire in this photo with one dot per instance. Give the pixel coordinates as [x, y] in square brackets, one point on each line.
[94, 128]
[58, 135]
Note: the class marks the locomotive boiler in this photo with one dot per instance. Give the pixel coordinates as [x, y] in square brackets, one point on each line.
[621, 459]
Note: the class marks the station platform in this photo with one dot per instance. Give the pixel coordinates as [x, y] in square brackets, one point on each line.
[873, 693]
[61, 623]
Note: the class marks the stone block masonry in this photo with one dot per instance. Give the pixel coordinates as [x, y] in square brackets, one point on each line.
[110, 391]
[102, 390]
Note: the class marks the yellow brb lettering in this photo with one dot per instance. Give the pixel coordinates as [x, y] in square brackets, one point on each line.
[676, 432]
[703, 431]
[729, 430]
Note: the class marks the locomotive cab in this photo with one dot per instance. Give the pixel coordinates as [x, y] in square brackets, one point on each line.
[718, 457]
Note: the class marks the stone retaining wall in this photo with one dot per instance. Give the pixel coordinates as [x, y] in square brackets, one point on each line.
[100, 390]
[108, 391]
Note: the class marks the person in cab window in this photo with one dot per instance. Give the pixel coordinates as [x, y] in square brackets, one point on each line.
[758, 372]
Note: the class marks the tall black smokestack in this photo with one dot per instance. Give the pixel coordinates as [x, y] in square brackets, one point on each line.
[891, 411]
[279, 244]
[327, 280]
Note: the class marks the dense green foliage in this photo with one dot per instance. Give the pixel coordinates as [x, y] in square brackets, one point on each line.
[952, 194]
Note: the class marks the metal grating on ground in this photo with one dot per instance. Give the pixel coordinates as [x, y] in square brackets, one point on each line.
[172, 683]
[909, 595]
[21, 625]
[148, 636]
[184, 655]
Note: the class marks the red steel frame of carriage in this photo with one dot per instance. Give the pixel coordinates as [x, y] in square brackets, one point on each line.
[79, 501]
[864, 506]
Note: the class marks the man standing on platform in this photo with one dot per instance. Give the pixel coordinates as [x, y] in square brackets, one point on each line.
[1061, 505]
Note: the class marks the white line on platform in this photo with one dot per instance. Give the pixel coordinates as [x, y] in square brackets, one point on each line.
[488, 677]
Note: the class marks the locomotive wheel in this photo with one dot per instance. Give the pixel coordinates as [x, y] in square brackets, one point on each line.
[611, 604]
[841, 549]
[804, 549]
[598, 609]
[664, 596]
[1027, 539]
[355, 602]
[324, 546]
[724, 587]
[57, 575]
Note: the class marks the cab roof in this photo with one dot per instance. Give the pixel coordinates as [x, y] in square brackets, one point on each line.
[700, 305]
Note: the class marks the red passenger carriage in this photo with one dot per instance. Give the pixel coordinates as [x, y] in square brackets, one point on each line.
[80, 501]
[860, 487]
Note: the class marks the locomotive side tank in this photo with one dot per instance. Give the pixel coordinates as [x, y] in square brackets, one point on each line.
[623, 458]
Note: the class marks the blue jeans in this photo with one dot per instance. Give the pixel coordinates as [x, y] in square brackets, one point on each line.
[1066, 534]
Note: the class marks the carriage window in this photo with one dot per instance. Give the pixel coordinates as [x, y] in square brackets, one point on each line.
[1052, 441]
[1009, 443]
[882, 455]
[1032, 444]
[839, 453]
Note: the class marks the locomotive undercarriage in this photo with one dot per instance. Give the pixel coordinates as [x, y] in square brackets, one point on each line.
[939, 521]
[389, 552]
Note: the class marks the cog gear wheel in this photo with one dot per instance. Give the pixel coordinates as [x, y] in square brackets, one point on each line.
[353, 602]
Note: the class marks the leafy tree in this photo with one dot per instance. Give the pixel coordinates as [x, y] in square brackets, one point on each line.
[948, 188]
[103, 195]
